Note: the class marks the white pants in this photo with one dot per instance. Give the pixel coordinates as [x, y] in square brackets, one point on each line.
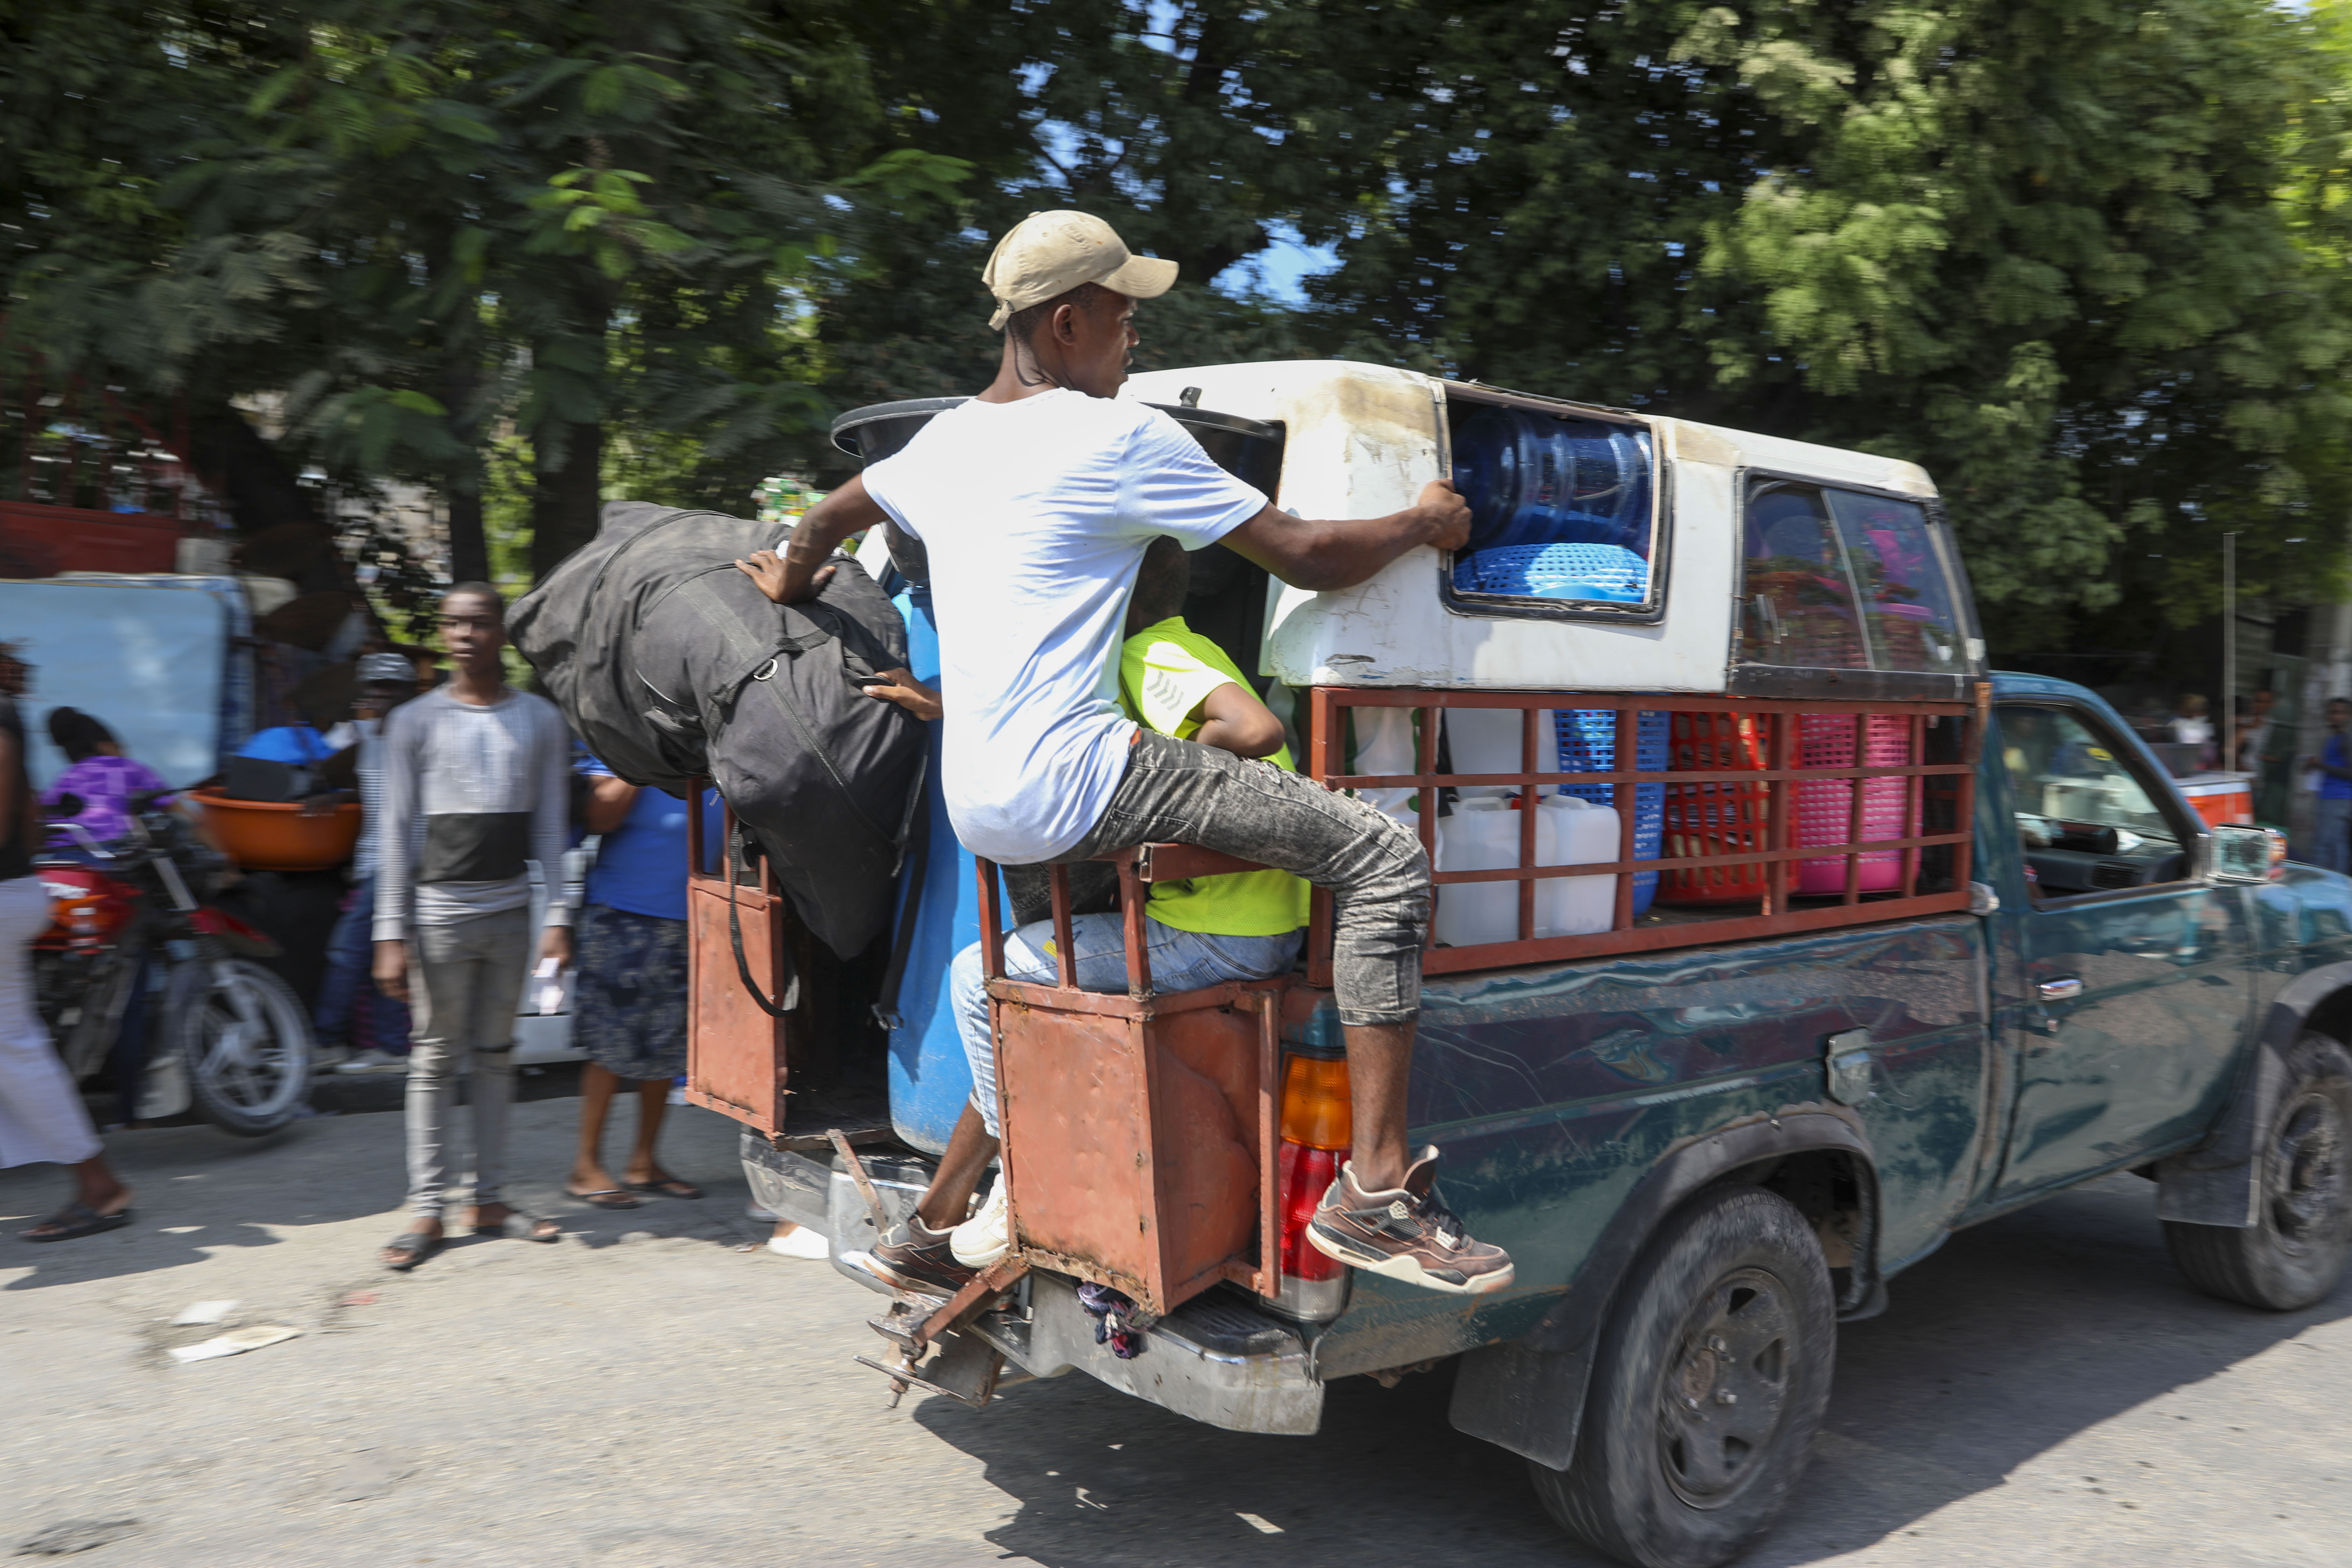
[41, 1116]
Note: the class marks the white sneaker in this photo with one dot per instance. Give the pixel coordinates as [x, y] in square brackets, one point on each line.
[373, 1062]
[753, 1210]
[799, 1242]
[986, 1236]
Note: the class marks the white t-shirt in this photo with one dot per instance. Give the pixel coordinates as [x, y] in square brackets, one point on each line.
[1034, 516]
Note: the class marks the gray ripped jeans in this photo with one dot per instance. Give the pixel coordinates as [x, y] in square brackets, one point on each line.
[1176, 792]
[469, 984]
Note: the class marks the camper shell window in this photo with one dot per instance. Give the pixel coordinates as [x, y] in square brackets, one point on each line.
[1844, 579]
[1565, 506]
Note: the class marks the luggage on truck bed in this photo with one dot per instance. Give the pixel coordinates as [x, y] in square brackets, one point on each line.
[672, 666]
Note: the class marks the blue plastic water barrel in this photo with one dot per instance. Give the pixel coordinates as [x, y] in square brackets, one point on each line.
[1531, 479]
[1609, 573]
[930, 1079]
[1588, 744]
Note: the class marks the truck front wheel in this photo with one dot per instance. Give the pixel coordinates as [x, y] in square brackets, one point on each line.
[2302, 1235]
[1712, 1375]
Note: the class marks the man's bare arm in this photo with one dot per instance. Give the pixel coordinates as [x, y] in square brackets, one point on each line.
[1326, 555]
[801, 572]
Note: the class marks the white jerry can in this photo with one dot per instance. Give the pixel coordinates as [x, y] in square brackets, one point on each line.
[1701, 560]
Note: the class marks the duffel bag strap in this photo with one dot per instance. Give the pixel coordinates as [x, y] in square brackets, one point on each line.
[738, 853]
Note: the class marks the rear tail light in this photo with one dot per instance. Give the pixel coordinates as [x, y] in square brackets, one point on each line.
[1317, 1126]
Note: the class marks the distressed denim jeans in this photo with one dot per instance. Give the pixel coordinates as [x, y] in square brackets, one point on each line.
[1180, 959]
[468, 978]
[1176, 792]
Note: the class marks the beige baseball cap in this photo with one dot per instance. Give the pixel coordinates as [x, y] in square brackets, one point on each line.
[1046, 254]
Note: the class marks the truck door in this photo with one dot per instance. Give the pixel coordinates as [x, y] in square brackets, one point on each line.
[2133, 976]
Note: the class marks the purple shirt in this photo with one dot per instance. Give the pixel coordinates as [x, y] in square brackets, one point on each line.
[106, 785]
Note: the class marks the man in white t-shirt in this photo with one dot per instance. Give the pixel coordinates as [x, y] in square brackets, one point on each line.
[1035, 502]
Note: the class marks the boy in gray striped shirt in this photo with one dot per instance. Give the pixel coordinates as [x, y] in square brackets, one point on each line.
[476, 783]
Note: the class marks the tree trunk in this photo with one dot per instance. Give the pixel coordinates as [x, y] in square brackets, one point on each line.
[470, 547]
[565, 499]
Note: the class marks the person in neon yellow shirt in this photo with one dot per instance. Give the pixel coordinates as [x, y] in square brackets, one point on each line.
[1245, 925]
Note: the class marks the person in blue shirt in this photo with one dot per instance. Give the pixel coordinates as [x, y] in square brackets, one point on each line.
[2332, 823]
[628, 1003]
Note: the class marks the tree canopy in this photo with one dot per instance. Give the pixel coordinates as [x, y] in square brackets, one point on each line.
[2085, 261]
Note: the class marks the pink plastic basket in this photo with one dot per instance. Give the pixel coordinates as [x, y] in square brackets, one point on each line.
[1825, 809]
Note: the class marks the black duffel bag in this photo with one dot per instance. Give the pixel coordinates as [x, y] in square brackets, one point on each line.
[671, 665]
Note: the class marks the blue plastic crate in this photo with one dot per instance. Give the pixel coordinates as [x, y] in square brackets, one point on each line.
[1588, 744]
[1609, 573]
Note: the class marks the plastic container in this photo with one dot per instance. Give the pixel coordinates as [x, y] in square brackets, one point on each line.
[1384, 746]
[1533, 479]
[1489, 740]
[1727, 818]
[1824, 810]
[1482, 835]
[279, 836]
[1588, 744]
[1573, 832]
[1608, 573]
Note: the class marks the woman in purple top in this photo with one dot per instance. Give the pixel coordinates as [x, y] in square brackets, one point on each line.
[103, 778]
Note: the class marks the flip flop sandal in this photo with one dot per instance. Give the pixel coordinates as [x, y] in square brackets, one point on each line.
[609, 1198]
[522, 1227]
[668, 1187]
[414, 1246]
[78, 1219]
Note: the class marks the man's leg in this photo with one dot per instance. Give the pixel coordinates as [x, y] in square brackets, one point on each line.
[437, 984]
[597, 1083]
[1379, 878]
[349, 951]
[2335, 834]
[502, 945]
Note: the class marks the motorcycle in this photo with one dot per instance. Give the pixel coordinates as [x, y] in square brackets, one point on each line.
[224, 1031]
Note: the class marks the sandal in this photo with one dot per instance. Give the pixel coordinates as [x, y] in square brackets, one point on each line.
[609, 1198]
[413, 1245]
[522, 1227]
[77, 1219]
[668, 1187]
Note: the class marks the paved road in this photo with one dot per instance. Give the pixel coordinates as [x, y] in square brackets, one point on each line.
[2043, 1391]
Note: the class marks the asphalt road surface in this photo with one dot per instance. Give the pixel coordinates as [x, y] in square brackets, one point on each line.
[2044, 1391]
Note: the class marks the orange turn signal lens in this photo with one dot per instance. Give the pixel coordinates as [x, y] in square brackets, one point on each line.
[1315, 1103]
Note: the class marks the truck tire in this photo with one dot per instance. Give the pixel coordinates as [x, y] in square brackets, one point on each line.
[1713, 1373]
[2295, 1250]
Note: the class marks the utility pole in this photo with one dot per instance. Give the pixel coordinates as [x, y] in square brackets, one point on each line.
[2229, 755]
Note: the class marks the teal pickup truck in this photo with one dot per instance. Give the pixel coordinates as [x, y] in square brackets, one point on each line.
[1703, 1158]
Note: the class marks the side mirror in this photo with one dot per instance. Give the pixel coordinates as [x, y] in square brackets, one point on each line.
[2242, 854]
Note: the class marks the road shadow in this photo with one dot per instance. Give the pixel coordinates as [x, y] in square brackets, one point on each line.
[2016, 1336]
[200, 1191]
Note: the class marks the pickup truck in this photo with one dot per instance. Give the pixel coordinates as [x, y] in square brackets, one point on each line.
[1703, 1158]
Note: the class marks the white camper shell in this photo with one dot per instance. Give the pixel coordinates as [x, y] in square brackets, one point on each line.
[1721, 614]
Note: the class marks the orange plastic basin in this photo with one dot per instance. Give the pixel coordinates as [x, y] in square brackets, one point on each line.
[274, 835]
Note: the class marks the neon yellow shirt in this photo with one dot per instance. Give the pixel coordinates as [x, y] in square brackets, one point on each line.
[1165, 672]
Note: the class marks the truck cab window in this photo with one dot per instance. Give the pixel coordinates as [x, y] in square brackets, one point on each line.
[2088, 818]
[1847, 580]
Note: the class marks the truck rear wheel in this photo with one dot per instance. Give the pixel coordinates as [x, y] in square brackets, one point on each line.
[1712, 1377]
[2296, 1248]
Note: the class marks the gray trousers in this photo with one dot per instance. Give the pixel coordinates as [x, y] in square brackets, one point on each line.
[1182, 793]
[2332, 828]
[468, 981]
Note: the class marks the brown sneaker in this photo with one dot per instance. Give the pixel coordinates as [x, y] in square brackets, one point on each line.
[914, 1256]
[1406, 1235]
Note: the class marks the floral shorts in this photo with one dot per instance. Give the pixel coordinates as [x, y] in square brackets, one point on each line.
[628, 996]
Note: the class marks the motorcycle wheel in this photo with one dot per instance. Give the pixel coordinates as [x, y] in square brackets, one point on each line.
[245, 1038]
